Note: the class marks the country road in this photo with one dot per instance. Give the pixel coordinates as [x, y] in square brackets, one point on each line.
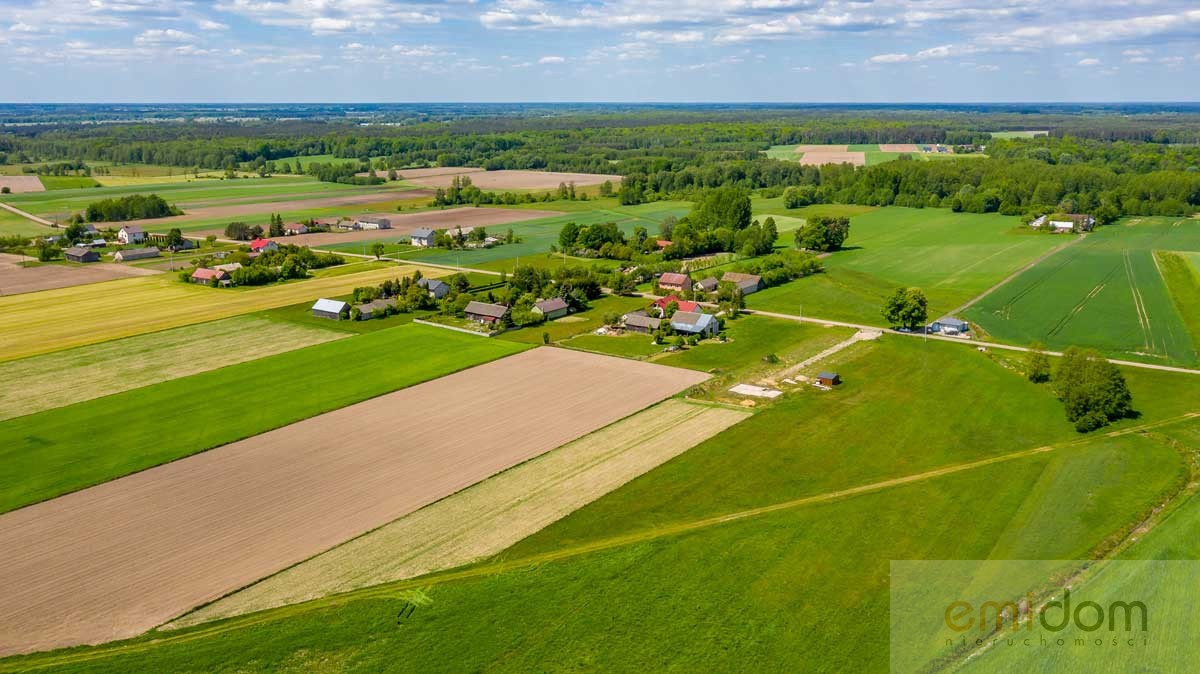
[27, 216]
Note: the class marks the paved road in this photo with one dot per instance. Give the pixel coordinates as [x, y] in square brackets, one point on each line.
[27, 216]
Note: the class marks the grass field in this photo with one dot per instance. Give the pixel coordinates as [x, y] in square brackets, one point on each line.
[68, 182]
[51, 320]
[774, 206]
[54, 380]
[644, 579]
[62, 450]
[1017, 134]
[1107, 291]
[951, 256]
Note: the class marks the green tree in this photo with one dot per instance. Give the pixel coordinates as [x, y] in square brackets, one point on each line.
[377, 249]
[907, 308]
[1092, 389]
[174, 238]
[1037, 364]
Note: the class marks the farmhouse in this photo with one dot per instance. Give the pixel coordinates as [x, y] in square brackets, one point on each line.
[263, 245]
[638, 321]
[662, 244]
[374, 309]
[437, 289]
[131, 234]
[293, 228]
[206, 275]
[422, 236]
[675, 281]
[684, 305]
[346, 225]
[552, 308]
[949, 326]
[373, 223]
[1065, 222]
[828, 379]
[331, 309]
[228, 267]
[694, 323]
[707, 285]
[134, 254]
[747, 283]
[482, 312]
[77, 254]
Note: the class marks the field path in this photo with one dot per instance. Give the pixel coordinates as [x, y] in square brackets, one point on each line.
[399, 589]
[27, 216]
[861, 335]
[1041, 258]
[114, 560]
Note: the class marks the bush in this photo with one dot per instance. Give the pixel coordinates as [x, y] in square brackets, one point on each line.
[1092, 389]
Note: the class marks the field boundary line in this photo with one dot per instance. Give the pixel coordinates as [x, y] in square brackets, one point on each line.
[387, 589]
[1041, 258]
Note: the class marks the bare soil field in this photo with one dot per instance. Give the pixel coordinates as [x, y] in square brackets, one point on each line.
[234, 210]
[822, 158]
[117, 559]
[518, 180]
[15, 279]
[821, 148]
[490, 516]
[65, 377]
[405, 174]
[19, 184]
[406, 223]
[898, 147]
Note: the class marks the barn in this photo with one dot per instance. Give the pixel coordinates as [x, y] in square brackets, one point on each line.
[552, 308]
[332, 309]
[77, 254]
[482, 312]
[135, 254]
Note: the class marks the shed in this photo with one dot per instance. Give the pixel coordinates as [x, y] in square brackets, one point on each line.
[331, 309]
[229, 267]
[135, 254]
[747, 283]
[552, 308]
[373, 223]
[422, 236]
[206, 275]
[373, 309]
[949, 326]
[639, 321]
[828, 379]
[437, 289]
[483, 312]
[675, 281]
[707, 285]
[694, 323]
[78, 254]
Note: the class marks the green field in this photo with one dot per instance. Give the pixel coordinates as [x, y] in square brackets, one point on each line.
[68, 182]
[655, 576]
[62, 450]
[951, 256]
[1107, 292]
[1017, 134]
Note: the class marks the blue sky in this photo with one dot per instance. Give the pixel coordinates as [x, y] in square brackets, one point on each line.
[598, 50]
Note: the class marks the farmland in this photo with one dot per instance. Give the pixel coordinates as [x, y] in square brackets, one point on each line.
[859, 155]
[53, 380]
[1106, 291]
[951, 256]
[41, 322]
[19, 274]
[399, 451]
[509, 180]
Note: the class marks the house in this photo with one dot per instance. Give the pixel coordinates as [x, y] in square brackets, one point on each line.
[228, 267]
[134, 254]
[346, 225]
[90, 230]
[206, 275]
[373, 223]
[674, 281]
[131, 234]
[747, 283]
[638, 321]
[1065, 222]
[662, 243]
[828, 379]
[707, 285]
[263, 245]
[949, 326]
[684, 305]
[552, 308]
[78, 254]
[294, 228]
[423, 236]
[694, 323]
[374, 309]
[437, 289]
[482, 312]
[332, 309]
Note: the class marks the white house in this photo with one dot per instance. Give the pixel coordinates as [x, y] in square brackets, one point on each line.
[423, 236]
[131, 234]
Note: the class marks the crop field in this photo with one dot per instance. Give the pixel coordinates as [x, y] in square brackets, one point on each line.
[20, 274]
[1107, 291]
[240, 512]
[1017, 134]
[404, 223]
[513, 180]
[488, 517]
[805, 518]
[54, 380]
[51, 320]
[764, 207]
[865, 154]
[951, 256]
[21, 184]
[68, 182]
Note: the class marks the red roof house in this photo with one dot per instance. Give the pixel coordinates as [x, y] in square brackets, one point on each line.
[684, 305]
[674, 281]
[204, 275]
[263, 245]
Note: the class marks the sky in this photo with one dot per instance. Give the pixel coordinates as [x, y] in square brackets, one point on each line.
[598, 50]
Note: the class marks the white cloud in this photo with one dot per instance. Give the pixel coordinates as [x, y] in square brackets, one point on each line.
[550, 60]
[1088, 62]
[626, 51]
[325, 17]
[160, 36]
[22, 28]
[670, 37]
[208, 24]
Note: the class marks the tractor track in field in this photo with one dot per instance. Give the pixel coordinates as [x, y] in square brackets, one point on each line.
[1041, 258]
[400, 589]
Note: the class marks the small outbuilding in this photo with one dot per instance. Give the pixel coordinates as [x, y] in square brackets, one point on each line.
[949, 326]
[78, 254]
[828, 379]
[437, 289]
[335, 310]
[483, 312]
[706, 285]
[373, 223]
[639, 321]
[135, 254]
[423, 237]
[552, 308]
[675, 281]
[375, 309]
[694, 323]
[747, 283]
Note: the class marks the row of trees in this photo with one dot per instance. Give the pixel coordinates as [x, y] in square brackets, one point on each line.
[130, 207]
